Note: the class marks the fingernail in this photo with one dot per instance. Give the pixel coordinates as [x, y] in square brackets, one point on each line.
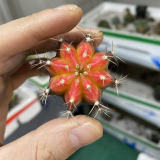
[69, 7]
[84, 135]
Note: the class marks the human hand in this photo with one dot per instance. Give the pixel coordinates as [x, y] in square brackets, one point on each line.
[55, 140]
[19, 39]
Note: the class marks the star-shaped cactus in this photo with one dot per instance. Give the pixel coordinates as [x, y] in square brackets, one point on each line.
[79, 74]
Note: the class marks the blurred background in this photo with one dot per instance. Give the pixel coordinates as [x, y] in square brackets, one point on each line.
[132, 31]
[19, 8]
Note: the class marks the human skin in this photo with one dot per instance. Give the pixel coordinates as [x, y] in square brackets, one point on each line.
[59, 138]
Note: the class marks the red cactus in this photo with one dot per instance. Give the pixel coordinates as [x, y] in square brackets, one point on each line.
[79, 74]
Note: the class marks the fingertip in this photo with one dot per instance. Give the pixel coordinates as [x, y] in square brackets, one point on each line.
[82, 119]
[73, 12]
[69, 134]
[69, 7]
[96, 34]
[88, 131]
[100, 35]
[65, 123]
[32, 30]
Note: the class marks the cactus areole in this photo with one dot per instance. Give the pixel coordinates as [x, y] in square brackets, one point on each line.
[79, 74]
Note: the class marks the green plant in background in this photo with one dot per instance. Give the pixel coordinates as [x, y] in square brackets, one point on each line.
[157, 28]
[128, 17]
[104, 24]
[142, 25]
[140, 21]
[116, 22]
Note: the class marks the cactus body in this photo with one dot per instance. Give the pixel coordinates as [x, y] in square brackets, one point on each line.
[79, 74]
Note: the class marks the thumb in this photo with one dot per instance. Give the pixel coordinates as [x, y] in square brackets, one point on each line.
[55, 140]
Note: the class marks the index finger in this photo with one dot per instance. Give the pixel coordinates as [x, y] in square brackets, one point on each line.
[25, 33]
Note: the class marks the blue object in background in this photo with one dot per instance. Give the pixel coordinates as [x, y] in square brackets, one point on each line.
[130, 144]
[156, 61]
